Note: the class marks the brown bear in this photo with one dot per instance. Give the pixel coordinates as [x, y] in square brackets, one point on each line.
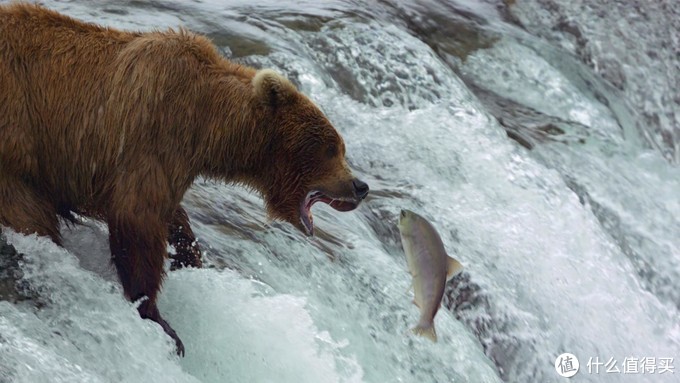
[117, 125]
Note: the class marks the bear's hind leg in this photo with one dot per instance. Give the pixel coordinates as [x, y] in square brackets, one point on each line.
[182, 238]
[24, 210]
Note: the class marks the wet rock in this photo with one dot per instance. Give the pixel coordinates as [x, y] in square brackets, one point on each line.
[527, 126]
[451, 31]
[235, 46]
[307, 23]
[499, 331]
[12, 287]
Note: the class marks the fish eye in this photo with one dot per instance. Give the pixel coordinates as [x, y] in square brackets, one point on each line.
[403, 213]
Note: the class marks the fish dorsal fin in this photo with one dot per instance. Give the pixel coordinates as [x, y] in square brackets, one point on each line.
[453, 268]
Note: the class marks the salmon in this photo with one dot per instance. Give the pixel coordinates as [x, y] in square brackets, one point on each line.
[429, 266]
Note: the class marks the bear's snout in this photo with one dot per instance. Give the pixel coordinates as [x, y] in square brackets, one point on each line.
[360, 188]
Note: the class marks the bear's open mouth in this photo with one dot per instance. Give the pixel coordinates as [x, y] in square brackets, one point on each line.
[314, 196]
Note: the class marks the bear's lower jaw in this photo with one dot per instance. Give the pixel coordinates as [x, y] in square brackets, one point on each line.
[314, 196]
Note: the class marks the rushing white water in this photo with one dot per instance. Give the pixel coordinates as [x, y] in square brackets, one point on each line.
[569, 246]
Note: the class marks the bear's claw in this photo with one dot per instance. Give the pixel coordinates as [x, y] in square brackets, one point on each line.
[171, 332]
[148, 310]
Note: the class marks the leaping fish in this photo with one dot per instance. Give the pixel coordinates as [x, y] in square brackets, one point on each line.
[429, 266]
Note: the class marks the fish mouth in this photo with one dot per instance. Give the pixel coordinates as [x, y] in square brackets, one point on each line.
[314, 196]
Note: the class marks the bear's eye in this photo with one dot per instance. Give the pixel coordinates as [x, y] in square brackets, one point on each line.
[332, 150]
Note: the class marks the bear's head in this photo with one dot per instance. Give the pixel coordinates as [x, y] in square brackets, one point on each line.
[305, 156]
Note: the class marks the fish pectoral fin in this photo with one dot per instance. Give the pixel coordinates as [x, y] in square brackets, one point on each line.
[453, 268]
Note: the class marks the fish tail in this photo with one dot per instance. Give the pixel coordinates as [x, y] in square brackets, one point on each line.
[426, 330]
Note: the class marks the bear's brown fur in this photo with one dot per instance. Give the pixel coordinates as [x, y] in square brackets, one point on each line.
[117, 125]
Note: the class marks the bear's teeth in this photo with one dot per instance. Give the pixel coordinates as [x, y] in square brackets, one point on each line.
[308, 223]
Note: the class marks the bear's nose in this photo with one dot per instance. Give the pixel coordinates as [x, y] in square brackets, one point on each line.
[360, 188]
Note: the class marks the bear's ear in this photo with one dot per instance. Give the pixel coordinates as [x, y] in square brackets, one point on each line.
[272, 88]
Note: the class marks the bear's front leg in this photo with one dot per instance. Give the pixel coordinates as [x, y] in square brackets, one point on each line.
[138, 250]
[138, 216]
